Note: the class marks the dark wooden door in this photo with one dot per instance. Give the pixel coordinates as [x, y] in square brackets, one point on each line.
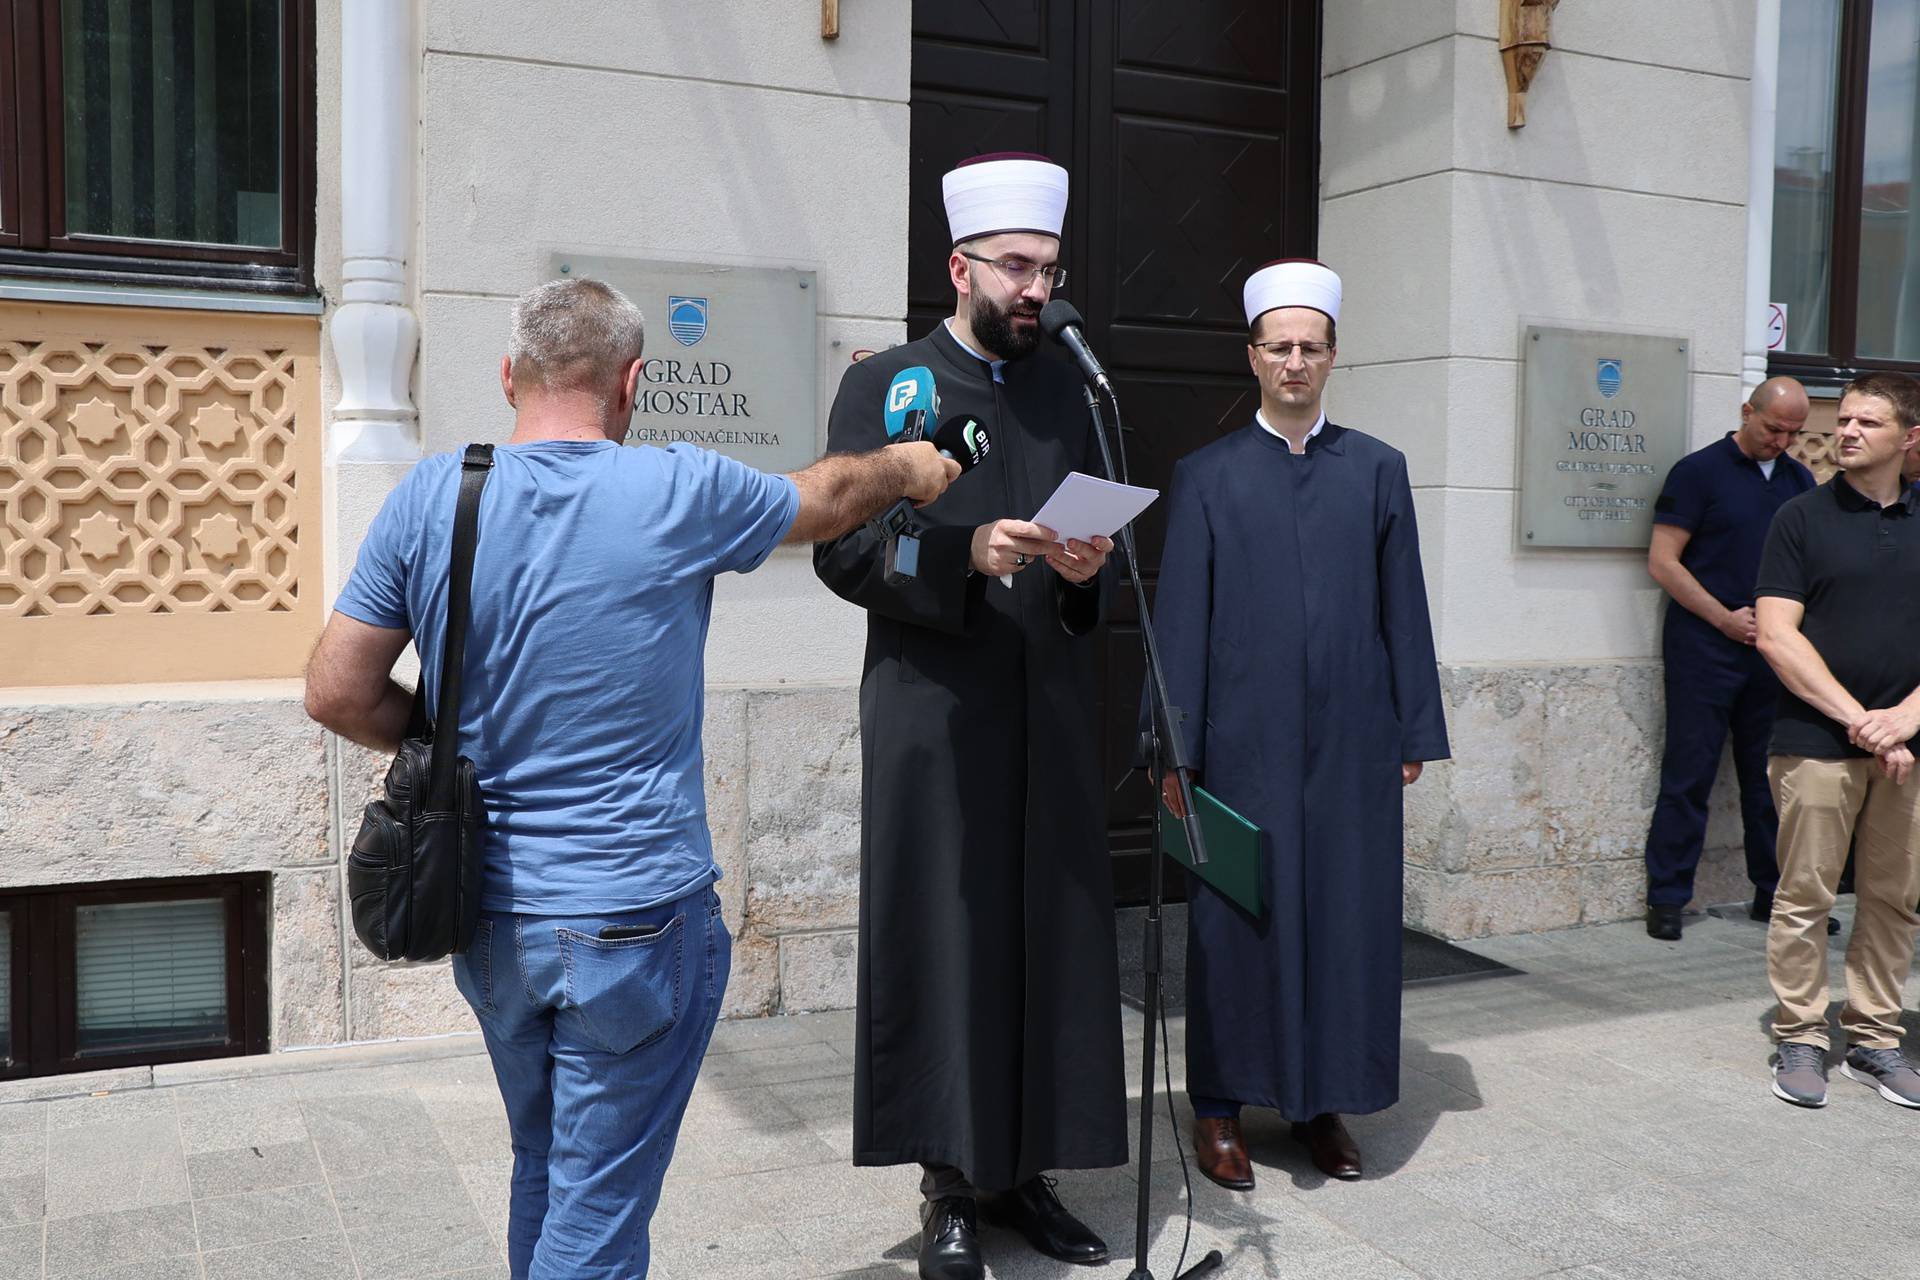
[1191, 130]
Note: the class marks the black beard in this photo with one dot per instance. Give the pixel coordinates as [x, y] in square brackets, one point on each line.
[993, 329]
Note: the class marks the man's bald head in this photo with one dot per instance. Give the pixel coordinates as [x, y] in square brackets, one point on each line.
[1772, 418]
[1784, 393]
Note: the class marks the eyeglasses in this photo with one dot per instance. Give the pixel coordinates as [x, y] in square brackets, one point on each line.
[1308, 350]
[1020, 273]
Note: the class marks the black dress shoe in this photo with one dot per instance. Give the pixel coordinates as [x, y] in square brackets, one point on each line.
[1663, 923]
[950, 1241]
[1035, 1212]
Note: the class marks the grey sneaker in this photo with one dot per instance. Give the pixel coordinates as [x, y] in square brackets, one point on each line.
[1800, 1074]
[1885, 1070]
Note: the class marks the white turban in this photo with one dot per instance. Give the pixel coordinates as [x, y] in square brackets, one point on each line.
[1006, 191]
[1293, 282]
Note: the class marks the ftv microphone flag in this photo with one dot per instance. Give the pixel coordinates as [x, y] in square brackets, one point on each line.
[910, 389]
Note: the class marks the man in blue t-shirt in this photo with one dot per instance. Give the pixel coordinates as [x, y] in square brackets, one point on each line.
[600, 958]
[1708, 527]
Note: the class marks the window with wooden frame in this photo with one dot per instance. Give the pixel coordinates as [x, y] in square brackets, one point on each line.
[1846, 231]
[159, 142]
[132, 974]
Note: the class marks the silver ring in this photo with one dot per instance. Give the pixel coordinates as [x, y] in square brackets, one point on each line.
[1020, 559]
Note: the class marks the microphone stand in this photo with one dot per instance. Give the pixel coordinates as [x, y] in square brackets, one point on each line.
[1166, 751]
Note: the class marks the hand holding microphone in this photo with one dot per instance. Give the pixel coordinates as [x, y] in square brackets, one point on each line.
[963, 441]
[928, 471]
[957, 446]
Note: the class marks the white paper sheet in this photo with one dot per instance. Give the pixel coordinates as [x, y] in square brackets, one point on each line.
[1086, 507]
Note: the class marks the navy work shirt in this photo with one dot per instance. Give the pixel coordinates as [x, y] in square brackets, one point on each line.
[1720, 496]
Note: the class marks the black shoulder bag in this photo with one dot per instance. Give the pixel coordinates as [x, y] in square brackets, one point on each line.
[413, 878]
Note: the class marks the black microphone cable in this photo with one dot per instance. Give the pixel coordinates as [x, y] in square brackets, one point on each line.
[1173, 1123]
[1062, 322]
[1166, 1049]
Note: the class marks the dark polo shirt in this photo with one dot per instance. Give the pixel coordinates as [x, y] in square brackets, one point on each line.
[1725, 501]
[1856, 567]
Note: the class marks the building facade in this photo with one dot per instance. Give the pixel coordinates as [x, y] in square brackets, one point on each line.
[256, 260]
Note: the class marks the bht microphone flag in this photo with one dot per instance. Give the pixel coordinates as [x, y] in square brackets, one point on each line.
[963, 438]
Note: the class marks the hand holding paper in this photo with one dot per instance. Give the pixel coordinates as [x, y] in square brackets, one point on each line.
[1085, 507]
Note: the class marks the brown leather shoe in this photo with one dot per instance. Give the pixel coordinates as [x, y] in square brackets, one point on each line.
[1335, 1153]
[1221, 1153]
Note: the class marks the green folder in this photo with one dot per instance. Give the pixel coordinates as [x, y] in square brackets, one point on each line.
[1233, 850]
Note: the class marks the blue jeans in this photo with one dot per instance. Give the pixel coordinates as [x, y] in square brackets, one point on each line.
[595, 1043]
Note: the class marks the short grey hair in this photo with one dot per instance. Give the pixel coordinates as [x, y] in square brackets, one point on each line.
[574, 335]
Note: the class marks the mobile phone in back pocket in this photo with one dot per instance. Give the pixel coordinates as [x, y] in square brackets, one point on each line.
[617, 932]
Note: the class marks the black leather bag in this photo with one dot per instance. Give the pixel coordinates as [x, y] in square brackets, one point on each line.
[413, 877]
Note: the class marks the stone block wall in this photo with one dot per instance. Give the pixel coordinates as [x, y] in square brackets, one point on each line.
[130, 790]
[1537, 823]
[1540, 819]
[783, 803]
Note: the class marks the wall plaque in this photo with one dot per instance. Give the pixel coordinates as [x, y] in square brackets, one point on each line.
[1603, 416]
[731, 356]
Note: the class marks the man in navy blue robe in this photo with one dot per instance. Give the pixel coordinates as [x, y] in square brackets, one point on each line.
[1293, 625]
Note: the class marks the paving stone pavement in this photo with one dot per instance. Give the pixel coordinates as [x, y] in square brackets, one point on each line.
[1604, 1116]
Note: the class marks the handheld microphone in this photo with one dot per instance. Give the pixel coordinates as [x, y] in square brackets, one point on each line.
[911, 390]
[962, 438]
[1060, 321]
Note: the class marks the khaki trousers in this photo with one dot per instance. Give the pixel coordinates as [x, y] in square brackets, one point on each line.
[1822, 803]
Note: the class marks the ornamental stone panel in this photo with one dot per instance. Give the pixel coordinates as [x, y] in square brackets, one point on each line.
[1815, 445]
[159, 494]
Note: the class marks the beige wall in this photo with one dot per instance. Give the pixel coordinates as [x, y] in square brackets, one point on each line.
[1621, 202]
[728, 130]
[697, 130]
[141, 744]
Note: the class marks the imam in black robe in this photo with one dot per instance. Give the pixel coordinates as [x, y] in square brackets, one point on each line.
[1293, 627]
[988, 1024]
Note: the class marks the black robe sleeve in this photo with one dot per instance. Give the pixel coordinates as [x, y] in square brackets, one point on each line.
[1082, 607]
[1183, 612]
[1406, 627]
[942, 595]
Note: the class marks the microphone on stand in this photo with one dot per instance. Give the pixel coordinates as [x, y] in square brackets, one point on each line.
[1060, 321]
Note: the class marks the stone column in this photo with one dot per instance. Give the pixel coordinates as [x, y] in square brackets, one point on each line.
[1621, 204]
[374, 331]
[1760, 139]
